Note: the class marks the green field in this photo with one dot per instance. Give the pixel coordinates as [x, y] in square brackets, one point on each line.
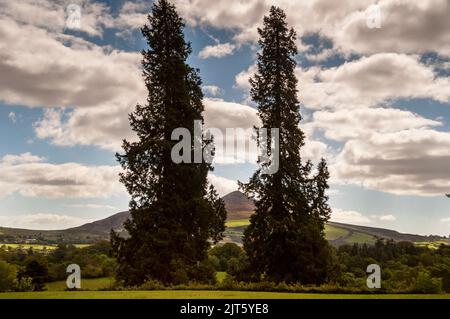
[102, 283]
[237, 223]
[360, 238]
[333, 232]
[431, 244]
[38, 246]
[28, 246]
[199, 294]
[57, 290]
[86, 284]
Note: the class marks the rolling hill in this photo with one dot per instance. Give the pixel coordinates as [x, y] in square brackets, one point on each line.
[239, 209]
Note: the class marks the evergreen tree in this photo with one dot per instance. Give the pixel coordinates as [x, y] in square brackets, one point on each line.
[37, 270]
[320, 208]
[285, 239]
[174, 213]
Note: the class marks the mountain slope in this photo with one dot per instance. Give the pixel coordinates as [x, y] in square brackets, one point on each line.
[239, 209]
[105, 225]
[238, 206]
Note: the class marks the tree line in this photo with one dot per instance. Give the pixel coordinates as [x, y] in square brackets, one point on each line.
[405, 268]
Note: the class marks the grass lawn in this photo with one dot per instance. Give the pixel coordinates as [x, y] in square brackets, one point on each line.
[102, 283]
[203, 294]
[86, 284]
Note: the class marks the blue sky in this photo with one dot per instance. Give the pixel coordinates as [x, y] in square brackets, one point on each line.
[375, 102]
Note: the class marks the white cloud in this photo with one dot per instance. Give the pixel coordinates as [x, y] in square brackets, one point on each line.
[446, 220]
[11, 159]
[407, 26]
[132, 16]
[104, 126]
[366, 82]
[388, 218]
[413, 162]
[348, 217]
[28, 176]
[62, 70]
[345, 124]
[217, 51]
[42, 221]
[355, 217]
[222, 185]
[212, 90]
[242, 78]
[52, 15]
[222, 114]
[92, 206]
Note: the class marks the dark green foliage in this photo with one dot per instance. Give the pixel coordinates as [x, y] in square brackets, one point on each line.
[285, 239]
[95, 261]
[226, 256]
[8, 275]
[174, 214]
[37, 270]
[40, 267]
[404, 267]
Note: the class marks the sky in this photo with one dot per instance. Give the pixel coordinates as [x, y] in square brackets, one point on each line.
[374, 86]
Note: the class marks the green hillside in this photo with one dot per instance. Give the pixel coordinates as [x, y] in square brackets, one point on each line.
[239, 209]
[340, 234]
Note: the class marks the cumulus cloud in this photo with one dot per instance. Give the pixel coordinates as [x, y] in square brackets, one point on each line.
[63, 71]
[222, 185]
[52, 15]
[406, 26]
[385, 148]
[212, 90]
[222, 114]
[217, 51]
[365, 82]
[42, 221]
[104, 126]
[30, 177]
[11, 159]
[342, 125]
[414, 162]
[349, 217]
[377, 79]
[389, 218]
[353, 103]
[132, 15]
[92, 206]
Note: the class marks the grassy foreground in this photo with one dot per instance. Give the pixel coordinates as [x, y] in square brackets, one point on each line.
[91, 287]
[203, 294]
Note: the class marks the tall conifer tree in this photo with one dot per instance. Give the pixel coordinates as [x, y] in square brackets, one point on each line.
[174, 213]
[285, 239]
